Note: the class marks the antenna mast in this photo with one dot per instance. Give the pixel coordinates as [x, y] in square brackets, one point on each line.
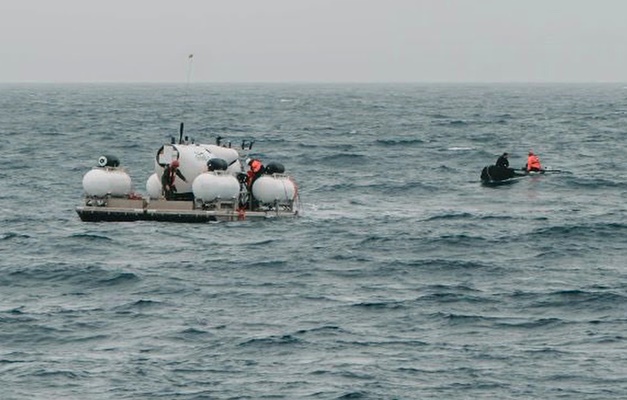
[190, 60]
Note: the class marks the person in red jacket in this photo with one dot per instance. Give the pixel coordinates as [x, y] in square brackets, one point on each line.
[533, 162]
[255, 170]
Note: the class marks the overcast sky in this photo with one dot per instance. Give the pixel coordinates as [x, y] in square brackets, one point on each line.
[313, 40]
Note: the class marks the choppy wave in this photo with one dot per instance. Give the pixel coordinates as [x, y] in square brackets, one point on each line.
[405, 278]
[599, 230]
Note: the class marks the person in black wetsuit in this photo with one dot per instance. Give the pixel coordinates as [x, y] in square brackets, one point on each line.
[500, 170]
[170, 173]
[503, 161]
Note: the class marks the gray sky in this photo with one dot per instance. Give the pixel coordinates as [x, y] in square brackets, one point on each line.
[313, 40]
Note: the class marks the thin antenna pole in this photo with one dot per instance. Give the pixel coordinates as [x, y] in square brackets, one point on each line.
[190, 60]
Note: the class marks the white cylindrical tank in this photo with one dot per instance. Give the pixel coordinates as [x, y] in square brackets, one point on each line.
[271, 188]
[153, 186]
[212, 185]
[100, 182]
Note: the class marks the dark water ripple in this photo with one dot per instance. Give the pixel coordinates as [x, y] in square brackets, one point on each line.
[404, 278]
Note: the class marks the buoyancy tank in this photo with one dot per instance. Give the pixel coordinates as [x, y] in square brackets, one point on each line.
[213, 185]
[107, 180]
[269, 189]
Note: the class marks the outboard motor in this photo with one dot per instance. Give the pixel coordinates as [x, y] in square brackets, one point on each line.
[484, 174]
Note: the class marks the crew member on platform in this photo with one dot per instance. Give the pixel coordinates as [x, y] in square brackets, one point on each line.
[502, 161]
[170, 173]
[533, 162]
[255, 171]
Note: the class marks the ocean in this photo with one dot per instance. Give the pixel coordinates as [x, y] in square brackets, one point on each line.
[403, 278]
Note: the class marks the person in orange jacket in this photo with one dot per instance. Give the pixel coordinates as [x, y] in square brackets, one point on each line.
[255, 170]
[533, 162]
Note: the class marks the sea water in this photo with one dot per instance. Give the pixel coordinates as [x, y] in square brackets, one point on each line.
[404, 277]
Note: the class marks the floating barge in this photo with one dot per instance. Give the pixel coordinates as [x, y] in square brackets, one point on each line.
[119, 209]
[213, 184]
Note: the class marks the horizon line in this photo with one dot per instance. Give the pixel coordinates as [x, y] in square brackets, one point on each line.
[323, 82]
